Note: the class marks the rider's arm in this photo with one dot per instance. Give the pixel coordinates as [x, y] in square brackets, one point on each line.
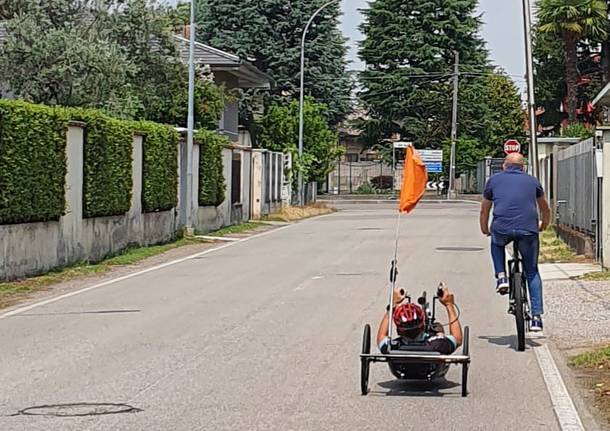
[545, 212]
[382, 332]
[484, 219]
[455, 328]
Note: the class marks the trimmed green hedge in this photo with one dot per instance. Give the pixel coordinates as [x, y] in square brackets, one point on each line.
[212, 185]
[107, 181]
[32, 162]
[160, 167]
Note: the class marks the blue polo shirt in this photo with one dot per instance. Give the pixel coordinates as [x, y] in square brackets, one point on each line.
[514, 195]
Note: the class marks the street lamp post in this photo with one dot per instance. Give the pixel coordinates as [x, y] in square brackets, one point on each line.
[531, 103]
[190, 126]
[302, 96]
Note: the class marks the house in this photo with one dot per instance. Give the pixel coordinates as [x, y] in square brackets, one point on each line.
[230, 71]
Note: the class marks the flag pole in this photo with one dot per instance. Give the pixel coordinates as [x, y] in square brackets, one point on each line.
[393, 274]
[394, 268]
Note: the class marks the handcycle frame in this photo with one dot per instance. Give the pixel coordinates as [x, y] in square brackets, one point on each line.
[403, 356]
[518, 296]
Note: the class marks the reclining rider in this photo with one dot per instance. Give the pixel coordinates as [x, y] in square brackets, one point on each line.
[410, 322]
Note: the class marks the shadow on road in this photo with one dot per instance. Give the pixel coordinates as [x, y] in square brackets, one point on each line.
[507, 340]
[414, 388]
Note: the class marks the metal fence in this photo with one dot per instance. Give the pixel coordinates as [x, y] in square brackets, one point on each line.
[352, 177]
[272, 181]
[577, 187]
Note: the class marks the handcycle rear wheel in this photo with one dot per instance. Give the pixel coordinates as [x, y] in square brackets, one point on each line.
[519, 299]
[364, 362]
[465, 352]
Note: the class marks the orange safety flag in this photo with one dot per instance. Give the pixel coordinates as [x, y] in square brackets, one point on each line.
[414, 181]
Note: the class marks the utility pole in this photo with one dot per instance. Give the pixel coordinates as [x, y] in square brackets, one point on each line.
[456, 85]
[190, 125]
[531, 103]
[302, 96]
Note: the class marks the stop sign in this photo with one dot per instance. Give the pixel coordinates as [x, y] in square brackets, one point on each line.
[512, 146]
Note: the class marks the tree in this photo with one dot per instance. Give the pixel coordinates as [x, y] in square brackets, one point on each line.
[573, 20]
[49, 60]
[278, 131]
[268, 34]
[409, 51]
[116, 55]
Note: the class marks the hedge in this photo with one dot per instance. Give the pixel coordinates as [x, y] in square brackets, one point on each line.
[107, 181]
[160, 167]
[212, 185]
[32, 162]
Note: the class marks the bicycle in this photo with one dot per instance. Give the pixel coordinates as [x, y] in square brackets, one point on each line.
[518, 299]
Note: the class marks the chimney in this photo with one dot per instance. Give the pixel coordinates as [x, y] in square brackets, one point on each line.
[186, 31]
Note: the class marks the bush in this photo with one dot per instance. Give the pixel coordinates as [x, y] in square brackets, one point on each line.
[365, 189]
[32, 162]
[107, 181]
[212, 185]
[159, 167]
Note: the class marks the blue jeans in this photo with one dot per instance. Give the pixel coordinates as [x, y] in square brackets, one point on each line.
[528, 244]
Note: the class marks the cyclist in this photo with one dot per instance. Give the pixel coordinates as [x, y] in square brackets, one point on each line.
[516, 198]
[410, 318]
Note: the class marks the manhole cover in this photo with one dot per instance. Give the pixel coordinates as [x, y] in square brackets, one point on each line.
[78, 409]
[460, 248]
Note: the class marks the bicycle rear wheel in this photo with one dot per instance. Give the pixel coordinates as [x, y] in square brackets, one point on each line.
[519, 299]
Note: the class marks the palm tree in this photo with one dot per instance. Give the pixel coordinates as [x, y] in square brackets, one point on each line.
[573, 20]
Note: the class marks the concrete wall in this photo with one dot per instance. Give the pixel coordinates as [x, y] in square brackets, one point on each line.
[32, 248]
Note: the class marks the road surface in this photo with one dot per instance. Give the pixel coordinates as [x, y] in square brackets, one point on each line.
[265, 335]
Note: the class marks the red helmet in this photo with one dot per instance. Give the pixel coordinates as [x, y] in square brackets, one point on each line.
[409, 317]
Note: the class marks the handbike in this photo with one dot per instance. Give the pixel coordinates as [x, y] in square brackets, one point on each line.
[407, 362]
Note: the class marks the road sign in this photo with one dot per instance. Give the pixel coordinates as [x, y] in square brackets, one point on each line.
[434, 167]
[512, 146]
[401, 144]
[435, 185]
[431, 155]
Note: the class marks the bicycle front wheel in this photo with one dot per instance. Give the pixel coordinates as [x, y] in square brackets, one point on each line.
[519, 298]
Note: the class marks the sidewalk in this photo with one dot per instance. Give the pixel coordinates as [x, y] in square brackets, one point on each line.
[577, 312]
[566, 271]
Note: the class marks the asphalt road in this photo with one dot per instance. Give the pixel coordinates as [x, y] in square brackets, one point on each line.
[265, 335]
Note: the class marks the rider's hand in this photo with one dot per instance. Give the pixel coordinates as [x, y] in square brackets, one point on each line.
[399, 296]
[542, 226]
[485, 231]
[448, 297]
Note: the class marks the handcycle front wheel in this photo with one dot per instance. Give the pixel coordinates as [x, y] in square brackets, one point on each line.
[519, 307]
[364, 362]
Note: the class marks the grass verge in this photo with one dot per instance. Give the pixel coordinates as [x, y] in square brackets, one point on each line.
[236, 229]
[294, 213]
[595, 365]
[553, 249]
[596, 276]
[12, 291]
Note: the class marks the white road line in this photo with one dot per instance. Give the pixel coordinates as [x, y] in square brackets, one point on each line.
[135, 274]
[566, 412]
